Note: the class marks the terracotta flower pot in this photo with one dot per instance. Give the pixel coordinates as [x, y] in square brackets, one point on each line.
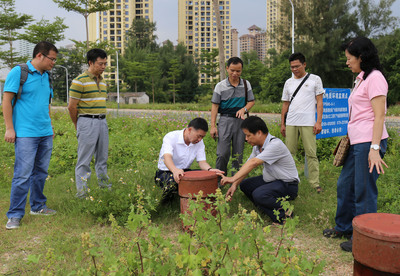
[191, 184]
[376, 244]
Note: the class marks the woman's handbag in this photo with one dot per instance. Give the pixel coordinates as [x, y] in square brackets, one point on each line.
[341, 151]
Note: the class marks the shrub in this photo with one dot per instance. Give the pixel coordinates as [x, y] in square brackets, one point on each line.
[220, 245]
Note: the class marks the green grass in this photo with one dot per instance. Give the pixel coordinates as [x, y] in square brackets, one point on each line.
[393, 110]
[133, 154]
[258, 108]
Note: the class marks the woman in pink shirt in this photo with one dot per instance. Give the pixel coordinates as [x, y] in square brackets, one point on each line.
[357, 192]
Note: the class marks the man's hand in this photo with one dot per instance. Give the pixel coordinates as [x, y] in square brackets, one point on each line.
[73, 111]
[375, 160]
[219, 172]
[9, 136]
[178, 173]
[240, 113]
[317, 128]
[230, 193]
[283, 130]
[225, 179]
[214, 132]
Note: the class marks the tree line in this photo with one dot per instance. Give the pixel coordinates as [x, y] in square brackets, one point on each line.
[167, 73]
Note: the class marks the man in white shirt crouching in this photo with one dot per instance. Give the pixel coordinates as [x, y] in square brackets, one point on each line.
[178, 151]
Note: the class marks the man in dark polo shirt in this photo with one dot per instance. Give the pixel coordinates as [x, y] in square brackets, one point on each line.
[229, 99]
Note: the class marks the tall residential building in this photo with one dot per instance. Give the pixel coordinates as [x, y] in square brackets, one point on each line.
[277, 17]
[234, 42]
[25, 48]
[254, 40]
[273, 20]
[197, 27]
[114, 24]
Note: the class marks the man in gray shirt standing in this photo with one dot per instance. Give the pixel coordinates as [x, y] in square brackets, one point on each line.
[280, 177]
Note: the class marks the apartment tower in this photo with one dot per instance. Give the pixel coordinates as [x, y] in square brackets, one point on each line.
[277, 17]
[114, 24]
[254, 40]
[197, 27]
[273, 20]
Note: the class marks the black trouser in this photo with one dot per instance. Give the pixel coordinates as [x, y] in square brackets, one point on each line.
[165, 180]
[265, 194]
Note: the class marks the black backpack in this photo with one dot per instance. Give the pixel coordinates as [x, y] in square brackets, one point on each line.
[24, 76]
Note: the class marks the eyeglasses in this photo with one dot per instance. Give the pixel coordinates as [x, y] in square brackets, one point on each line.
[295, 67]
[52, 59]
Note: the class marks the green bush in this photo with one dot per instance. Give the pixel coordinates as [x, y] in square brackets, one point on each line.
[214, 245]
[101, 202]
[388, 183]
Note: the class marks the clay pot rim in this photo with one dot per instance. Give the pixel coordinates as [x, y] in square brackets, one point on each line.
[198, 175]
[378, 234]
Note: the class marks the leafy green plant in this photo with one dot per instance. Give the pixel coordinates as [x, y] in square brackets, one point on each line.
[215, 244]
[101, 202]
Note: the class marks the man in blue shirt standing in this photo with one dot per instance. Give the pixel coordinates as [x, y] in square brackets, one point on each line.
[28, 126]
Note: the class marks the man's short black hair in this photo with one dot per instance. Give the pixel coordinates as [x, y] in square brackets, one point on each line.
[44, 47]
[95, 53]
[199, 123]
[234, 60]
[297, 56]
[253, 124]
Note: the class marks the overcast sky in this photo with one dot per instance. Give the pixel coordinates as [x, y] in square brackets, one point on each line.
[243, 15]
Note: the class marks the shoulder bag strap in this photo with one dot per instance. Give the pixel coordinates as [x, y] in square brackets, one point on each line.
[245, 95]
[298, 87]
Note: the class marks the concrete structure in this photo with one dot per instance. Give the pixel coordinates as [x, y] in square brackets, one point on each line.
[274, 18]
[234, 42]
[197, 28]
[277, 17]
[254, 40]
[25, 48]
[129, 97]
[114, 24]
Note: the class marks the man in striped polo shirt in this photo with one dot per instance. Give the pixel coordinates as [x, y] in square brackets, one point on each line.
[229, 99]
[87, 109]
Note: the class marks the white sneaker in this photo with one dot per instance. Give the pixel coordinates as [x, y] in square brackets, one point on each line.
[13, 223]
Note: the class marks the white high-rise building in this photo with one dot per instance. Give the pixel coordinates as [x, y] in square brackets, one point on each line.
[113, 25]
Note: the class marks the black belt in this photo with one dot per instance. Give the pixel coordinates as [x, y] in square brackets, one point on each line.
[228, 115]
[293, 183]
[101, 116]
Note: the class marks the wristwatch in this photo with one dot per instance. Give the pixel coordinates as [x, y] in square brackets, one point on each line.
[375, 147]
[246, 111]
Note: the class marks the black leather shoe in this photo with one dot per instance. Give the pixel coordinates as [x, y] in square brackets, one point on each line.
[347, 246]
[333, 233]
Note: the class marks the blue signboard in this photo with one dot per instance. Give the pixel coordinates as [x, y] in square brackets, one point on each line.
[336, 113]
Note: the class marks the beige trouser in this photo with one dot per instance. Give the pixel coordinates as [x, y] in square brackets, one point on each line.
[310, 148]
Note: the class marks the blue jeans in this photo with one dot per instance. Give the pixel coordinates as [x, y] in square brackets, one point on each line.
[265, 194]
[357, 192]
[32, 158]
